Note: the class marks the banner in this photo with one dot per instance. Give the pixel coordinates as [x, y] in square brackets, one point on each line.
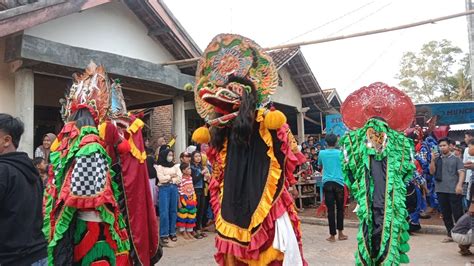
[334, 125]
[449, 113]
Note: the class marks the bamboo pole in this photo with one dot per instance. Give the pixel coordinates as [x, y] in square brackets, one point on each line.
[341, 37]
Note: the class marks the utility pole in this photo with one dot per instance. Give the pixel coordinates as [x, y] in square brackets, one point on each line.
[470, 29]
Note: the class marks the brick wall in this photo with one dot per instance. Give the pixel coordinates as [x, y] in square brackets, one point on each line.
[161, 123]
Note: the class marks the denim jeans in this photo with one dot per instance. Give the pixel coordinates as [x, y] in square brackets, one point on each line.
[168, 201]
[41, 262]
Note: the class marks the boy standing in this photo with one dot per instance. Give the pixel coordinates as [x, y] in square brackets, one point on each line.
[333, 187]
[449, 175]
[21, 201]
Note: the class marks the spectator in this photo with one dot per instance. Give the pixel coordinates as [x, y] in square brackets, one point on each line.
[468, 161]
[44, 150]
[150, 163]
[21, 201]
[458, 151]
[462, 233]
[333, 187]
[185, 157]
[449, 176]
[319, 147]
[304, 146]
[200, 174]
[311, 142]
[169, 176]
[322, 142]
[42, 167]
[187, 204]
[312, 151]
[314, 163]
[305, 170]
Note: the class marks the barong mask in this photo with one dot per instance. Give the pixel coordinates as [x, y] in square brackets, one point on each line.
[232, 67]
[90, 90]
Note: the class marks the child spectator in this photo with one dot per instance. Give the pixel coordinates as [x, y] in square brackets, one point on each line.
[187, 204]
[42, 167]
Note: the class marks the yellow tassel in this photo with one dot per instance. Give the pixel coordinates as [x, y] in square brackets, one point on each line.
[55, 145]
[102, 130]
[274, 119]
[201, 135]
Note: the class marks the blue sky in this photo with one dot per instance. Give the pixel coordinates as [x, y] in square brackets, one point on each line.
[347, 64]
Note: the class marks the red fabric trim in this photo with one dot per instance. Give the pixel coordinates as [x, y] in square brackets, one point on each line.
[292, 159]
[122, 260]
[108, 238]
[90, 138]
[100, 263]
[87, 242]
[185, 225]
[263, 238]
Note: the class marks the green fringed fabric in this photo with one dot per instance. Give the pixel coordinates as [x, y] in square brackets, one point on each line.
[81, 227]
[108, 217]
[400, 167]
[60, 167]
[100, 250]
[47, 212]
[61, 227]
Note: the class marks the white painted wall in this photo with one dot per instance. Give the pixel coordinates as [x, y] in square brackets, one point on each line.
[109, 28]
[7, 84]
[288, 94]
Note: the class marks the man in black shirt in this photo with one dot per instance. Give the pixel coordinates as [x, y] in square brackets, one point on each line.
[21, 200]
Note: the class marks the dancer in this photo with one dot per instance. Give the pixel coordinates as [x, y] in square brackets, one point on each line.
[97, 196]
[253, 155]
[377, 166]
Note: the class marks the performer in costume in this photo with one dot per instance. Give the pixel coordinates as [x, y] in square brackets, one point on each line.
[83, 221]
[378, 163]
[253, 155]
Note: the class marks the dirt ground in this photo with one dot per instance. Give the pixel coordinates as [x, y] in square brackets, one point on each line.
[350, 215]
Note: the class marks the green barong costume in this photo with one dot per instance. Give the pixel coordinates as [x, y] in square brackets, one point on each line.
[377, 165]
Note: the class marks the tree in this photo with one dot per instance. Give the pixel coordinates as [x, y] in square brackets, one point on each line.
[424, 75]
[459, 83]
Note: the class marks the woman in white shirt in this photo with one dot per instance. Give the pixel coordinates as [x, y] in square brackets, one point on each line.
[169, 176]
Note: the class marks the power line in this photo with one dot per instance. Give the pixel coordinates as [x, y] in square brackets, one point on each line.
[341, 37]
[329, 22]
[360, 20]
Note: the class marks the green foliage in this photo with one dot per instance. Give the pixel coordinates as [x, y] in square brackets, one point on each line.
[427, 76]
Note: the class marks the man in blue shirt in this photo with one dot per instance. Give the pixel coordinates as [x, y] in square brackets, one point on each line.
[333, 186]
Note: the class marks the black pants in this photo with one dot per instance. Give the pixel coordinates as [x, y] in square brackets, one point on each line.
[451, 208]
[334, 195]
[201, 207]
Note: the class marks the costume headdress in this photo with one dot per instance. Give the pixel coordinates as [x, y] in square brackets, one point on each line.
[90, 90]
[230, 67]
[378, 100]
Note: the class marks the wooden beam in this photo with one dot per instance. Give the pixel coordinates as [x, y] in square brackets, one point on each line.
[309, 95]
[155, 31]
[312, 120]
[28, 16]
[41, 50]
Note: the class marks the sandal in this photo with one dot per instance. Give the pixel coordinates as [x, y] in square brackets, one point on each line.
[164, 241]
[198, 236]
[203, 234]
[174, 238]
